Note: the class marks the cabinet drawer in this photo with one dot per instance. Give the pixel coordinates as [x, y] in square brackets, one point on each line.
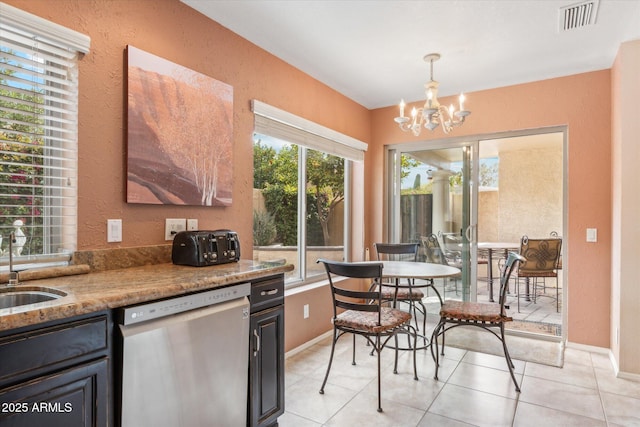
[266, 293]
[45, 349]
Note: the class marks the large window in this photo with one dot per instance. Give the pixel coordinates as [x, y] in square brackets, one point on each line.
[38, 138]
[301, 193]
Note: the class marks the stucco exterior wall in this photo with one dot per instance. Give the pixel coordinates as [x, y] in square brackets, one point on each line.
[530, 196]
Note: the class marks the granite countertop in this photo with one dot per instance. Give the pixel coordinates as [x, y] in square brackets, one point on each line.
[89, 292]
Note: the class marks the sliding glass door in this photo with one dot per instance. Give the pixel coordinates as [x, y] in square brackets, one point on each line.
[481, 197]
[433, 195]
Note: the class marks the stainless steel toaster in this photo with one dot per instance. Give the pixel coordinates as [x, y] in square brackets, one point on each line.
[200, 248]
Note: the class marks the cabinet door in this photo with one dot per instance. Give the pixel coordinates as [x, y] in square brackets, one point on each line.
[76, 397]
[266, 385]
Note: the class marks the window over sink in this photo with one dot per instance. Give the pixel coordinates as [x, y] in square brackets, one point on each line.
[38, 138]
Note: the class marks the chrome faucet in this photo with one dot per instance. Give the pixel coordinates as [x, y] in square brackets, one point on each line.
[13, 275]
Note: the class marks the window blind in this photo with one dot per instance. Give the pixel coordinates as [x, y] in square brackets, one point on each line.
[38, 136]
[280, 124]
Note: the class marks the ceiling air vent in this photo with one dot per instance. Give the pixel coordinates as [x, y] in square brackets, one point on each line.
[578, 15]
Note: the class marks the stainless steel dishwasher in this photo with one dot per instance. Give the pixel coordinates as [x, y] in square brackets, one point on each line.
[185, 360]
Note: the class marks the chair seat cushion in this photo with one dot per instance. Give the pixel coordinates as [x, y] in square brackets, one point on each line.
[388, 292]
[368, 321]
[473, 311]
[524, 273]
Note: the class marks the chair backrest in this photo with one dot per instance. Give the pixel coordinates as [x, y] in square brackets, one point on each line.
[432, 250]
[542, 255]
[505, 275]
[451, 242]
[350, 299]
[396, 251]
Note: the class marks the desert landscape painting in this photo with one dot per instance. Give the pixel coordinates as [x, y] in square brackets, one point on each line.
[180, 133]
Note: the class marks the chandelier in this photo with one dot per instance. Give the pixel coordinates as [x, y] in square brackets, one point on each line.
[432, 113]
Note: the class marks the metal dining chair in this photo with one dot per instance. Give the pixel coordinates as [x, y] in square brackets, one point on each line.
[436, 255]
[486, 315]
[542, 262]
[365, 315]
[395, 291]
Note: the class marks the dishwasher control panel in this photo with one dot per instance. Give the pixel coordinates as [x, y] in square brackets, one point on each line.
[149, 311]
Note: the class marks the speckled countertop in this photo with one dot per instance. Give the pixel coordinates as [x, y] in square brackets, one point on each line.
[95, 291]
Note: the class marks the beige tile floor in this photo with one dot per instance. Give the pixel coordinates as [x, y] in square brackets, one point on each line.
[473, 389]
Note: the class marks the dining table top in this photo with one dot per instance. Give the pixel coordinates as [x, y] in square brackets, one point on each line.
[498, 245]
[417, 270]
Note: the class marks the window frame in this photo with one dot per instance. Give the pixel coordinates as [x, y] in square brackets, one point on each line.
[279, 124]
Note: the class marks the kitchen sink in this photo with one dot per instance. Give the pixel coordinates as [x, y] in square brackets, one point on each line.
[21, 295]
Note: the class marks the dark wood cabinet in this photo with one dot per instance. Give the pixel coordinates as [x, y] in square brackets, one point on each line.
[57, 374]
[266, 358]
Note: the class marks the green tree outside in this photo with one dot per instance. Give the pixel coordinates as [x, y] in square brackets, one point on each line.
[276, 175]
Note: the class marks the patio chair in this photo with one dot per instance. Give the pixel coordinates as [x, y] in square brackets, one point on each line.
[486, 315]
[434, 254]
[365, 315]
[542, 262]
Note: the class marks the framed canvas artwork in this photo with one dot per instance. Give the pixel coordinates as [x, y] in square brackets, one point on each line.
[179, 134]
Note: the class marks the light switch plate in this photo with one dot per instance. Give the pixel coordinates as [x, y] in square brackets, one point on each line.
[592, 234]
[192, 224]
[114, 230]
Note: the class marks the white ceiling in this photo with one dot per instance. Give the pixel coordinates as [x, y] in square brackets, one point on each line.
[372, 51]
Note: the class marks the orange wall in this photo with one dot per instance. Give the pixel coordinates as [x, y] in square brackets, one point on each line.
[582, 103]
[170, 29]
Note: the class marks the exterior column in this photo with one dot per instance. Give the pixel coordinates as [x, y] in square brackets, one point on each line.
[441, 214]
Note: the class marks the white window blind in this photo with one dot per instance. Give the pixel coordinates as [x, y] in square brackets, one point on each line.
[280, 124]
[38, 137]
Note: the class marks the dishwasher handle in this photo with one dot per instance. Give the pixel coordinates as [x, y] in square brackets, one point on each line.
[256, 347]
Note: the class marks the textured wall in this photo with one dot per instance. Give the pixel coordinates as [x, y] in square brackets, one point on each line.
[172, 30]
[530, 198]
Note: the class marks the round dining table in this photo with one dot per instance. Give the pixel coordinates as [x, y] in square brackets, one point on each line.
[400, 270]
[426, 271]
[417, 270]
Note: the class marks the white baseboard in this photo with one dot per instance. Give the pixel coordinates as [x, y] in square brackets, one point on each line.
[612, 359]
[308, 344]
[589, 348]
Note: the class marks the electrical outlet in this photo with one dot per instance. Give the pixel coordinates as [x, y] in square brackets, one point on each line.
[172, 226]
[114, 230]
[305, 310]
[192, 224]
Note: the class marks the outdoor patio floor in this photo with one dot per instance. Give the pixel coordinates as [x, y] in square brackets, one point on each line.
[537, 317]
